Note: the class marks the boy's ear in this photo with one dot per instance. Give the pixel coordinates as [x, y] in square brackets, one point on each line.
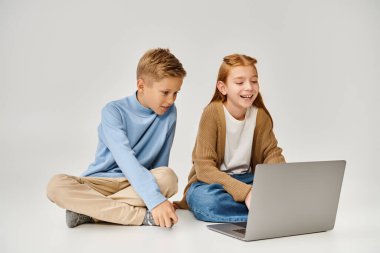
[140, 85]
[221, 87]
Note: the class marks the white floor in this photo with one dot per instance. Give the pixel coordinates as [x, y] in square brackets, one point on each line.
[30, 223]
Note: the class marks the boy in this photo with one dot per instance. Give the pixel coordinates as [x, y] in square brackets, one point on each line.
[129, 181]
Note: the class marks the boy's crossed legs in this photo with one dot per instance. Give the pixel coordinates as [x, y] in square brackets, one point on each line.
[106, 199]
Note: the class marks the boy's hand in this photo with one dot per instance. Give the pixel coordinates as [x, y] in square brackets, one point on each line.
[248, 199]
[164, 214]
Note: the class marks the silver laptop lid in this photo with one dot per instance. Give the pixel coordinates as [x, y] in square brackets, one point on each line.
[294, 198]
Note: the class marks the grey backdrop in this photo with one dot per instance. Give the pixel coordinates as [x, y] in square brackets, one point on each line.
[61, 61]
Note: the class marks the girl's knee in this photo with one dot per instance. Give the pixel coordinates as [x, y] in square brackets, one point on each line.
[202, 205]
[198, 197]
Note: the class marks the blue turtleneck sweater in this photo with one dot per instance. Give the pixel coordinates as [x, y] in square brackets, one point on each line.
[132, 141]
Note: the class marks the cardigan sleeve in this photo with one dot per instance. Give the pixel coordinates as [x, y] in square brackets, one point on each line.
[267, 142]
[206, 160]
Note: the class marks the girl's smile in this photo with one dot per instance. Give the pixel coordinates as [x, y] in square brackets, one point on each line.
[241, 89]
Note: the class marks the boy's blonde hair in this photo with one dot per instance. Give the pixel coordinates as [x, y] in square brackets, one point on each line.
[229, 62]
[158, 64]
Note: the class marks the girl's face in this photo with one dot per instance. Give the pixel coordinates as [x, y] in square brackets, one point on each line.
[241, 89]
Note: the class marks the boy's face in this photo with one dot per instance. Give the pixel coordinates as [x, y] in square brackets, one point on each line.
[159, 96]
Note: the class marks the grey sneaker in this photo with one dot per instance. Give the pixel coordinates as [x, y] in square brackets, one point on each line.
[75, 219]
[148, 219]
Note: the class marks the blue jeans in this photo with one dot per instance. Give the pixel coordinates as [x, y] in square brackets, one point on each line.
[210, 202]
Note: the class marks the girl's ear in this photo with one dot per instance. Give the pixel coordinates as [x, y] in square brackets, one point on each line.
[222, 87]
[140, 85]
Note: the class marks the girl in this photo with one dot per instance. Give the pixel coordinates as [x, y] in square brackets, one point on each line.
[235, 133]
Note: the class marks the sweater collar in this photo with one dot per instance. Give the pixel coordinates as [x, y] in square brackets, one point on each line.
[138, 107]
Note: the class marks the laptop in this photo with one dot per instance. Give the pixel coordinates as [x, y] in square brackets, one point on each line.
[290, 199]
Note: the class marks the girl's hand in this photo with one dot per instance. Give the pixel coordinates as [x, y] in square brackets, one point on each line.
[248, 199]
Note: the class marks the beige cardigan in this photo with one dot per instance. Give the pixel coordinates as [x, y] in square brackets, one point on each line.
[208, 152]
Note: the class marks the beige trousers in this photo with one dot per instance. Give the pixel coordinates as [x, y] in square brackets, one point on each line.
[107, 199]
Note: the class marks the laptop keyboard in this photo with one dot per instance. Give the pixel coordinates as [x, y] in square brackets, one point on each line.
[241, 231]
[241, 224]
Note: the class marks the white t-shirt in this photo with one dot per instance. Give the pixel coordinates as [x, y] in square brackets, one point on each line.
[239, 137]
